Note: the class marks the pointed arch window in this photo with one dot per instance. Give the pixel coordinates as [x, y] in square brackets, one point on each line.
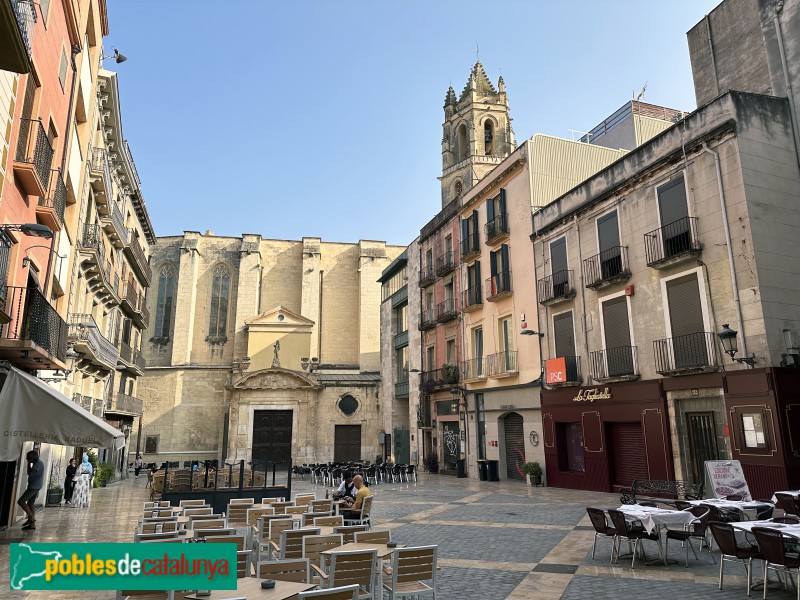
[461, 142]
[164, 304]
[488, 138]
[220, 291]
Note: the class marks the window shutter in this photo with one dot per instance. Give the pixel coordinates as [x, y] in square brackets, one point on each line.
[608, 231]
[493, 260]
[685, 312]
[477, 273]
[558, 256]
[504, 263]
[464, 236]
[564, 334]
[672, 201]
[490, 210]
[502, 202]
[475, 241]
[615, 323]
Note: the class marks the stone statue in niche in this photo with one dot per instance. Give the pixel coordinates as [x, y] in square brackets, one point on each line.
[276, 362]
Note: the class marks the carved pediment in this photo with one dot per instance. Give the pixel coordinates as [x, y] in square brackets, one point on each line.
[275, 379]
[279, 316]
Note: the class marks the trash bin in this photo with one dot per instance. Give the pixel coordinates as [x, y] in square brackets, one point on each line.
[483, 470]
[493, 470]
[461, 468]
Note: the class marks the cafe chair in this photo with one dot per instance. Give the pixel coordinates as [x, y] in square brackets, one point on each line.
[602, 529]
[291, 542]
[217, 532]
[315, 545]
[304, 499]
[731, 551]
[202, 522]
[349, 532]
[413, 572]
[292, 569]
[633, 534]
[773, 543]
[376, 536]
[195, 503]
[167, 527]
[345, 592]
[696, 529]
[317, 506]
[356, 567]
[329, 521]
[152, 537]
[200, 510]
[307, 518]
[787, 503]
[363, 518]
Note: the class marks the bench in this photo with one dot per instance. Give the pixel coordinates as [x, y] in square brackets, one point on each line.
[659, 490]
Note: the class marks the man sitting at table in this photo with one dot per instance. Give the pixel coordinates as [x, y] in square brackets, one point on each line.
[354, 508]
[346, 491]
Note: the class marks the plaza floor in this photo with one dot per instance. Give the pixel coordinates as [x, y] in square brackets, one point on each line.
[496, 540]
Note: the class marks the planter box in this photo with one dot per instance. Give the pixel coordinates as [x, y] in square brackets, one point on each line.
[54, 497]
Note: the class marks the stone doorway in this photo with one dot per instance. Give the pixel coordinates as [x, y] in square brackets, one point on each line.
[347, 443]
[272, 436]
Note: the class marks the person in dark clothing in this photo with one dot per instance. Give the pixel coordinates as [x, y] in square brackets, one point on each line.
[346, 488]
[35, 482]
[69, 482]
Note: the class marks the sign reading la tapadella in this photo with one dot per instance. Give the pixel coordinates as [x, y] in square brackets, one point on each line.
[592, 395]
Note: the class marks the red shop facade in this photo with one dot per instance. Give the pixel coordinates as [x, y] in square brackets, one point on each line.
[603, 437]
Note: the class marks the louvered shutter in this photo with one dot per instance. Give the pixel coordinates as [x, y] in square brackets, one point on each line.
[490, 210]
[689, 344]
[464, 236]
[502, 202]
[564, 334]
[608, 231]
[672, 201]
[629, 461]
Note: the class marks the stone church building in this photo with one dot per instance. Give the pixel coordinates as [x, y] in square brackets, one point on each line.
[263, 349]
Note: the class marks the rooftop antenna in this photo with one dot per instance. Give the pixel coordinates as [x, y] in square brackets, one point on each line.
[477, 53]
[640, 95]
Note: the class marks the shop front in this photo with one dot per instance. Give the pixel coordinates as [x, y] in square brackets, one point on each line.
[604, 437]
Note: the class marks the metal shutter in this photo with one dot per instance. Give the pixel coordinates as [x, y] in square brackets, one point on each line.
[685, 312]
[608, 231]
[615, 323]
[558, 256]
[515, 446]
[672, 201]
[564, 334]
[628, 461]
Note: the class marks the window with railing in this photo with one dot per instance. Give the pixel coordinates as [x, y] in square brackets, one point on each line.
[496, 217]
[394, 284]
[470, 242]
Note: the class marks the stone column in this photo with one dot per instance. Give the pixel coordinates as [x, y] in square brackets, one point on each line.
[248, 294]
[186, 299]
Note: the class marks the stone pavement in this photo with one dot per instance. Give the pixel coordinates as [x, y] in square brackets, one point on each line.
[496, 540]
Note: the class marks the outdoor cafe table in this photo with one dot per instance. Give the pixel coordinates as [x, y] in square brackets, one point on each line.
[795, 493]
[383, 550]
[749, 507]
[655, 518]
[786, 528]
[250, 587]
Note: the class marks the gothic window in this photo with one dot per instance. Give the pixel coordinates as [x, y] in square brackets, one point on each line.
[461, 143]
[220, 290]
[488, 138]
[458, 189]
[164, 304]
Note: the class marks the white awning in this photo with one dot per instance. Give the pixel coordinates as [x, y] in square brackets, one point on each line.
[32, 411]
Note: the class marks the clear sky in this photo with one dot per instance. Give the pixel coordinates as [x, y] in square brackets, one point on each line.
[322, 118]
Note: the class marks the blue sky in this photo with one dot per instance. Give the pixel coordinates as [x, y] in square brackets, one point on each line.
[322, 118]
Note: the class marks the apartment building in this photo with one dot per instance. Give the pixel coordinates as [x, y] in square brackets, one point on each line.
[640, 268]
[401, 359]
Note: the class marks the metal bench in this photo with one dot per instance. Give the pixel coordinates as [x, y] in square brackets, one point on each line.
[661, 491]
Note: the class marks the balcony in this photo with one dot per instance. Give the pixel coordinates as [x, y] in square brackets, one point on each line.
[607, 268]
[427, 320]
[400, 297]
[497, 229]
[470, 247]
[558, 287]
[35, 336]
[50, 208]
[445, 264]
[98, 407]
[17, 24]
[100, 276]
[126, 359]
[473, 298]
[427, 276]
[139, 361]
[114, 227]
[424, 417]
[34, 158]
[502, 364]
[686, 354]
[563, 371]
[473, 369]
[446, 311]
[93, 345]
[85, 402]
[614, 364]
[672, 244]
[100, 174]
[137, 259]
[439, 379]
[123, 404]
[498, 286]
[401, 339]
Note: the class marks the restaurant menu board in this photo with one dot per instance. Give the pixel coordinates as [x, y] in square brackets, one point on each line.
[727, 478]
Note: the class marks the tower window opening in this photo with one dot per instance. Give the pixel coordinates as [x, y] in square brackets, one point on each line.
[488, 138]
[461, 143]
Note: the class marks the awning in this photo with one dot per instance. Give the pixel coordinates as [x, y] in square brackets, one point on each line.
[32, 411]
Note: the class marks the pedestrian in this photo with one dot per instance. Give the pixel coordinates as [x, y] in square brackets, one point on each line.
[35, 482]
[354, 508]
[137, 465]
[69, 482]
[83, 484]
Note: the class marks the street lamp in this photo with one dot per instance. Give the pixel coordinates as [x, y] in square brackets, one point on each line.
[32, 229]
[459, 400]
[730, 345]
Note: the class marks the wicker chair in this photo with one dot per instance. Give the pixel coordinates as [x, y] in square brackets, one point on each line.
[731, 551]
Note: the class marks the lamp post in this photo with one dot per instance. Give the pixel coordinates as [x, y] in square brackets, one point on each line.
[460, 400]
[40, 231]
[730, 345]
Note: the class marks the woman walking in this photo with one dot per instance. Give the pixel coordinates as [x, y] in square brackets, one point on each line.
[69, 482]
[83, 484]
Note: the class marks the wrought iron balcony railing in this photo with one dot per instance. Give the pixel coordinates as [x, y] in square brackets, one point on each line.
[439, 379]
[692, 353]
[139, 259]
[427, 320]
[498, 286]
[470, 246]
[613, 363]
[671, 243]
[497, 228]
[84, 331]
[139, 361]
[424, 417]
[472, 298]
[124, 403]
[445, 264]
[101, 167]
[446, 311]
[606, 268]
[474, 368]
[33, 319]
[427, 276]
[34, 157]
[502, 363]
[92, 239]
[118, 226]
[571, 375]
[25, 13]
[50, 208]
[556, 288]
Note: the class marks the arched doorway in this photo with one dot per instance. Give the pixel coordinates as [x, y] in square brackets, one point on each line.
[514, 442]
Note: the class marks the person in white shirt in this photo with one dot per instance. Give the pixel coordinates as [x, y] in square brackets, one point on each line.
[346, 489]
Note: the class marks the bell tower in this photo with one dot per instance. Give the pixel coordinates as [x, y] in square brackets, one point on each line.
[476, 134]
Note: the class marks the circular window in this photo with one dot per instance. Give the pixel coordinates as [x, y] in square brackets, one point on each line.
[280, 317]
[348, 405]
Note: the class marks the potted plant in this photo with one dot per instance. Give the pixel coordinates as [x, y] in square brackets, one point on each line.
[534, 471]
[106, 473]
[432, 463]
[450, 374]
[54, 494]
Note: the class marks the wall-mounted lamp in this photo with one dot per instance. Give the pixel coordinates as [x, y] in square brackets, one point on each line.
[117, 56]
[730, 345]
[531, 332]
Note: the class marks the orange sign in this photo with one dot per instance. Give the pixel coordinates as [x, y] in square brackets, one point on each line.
[556, 370]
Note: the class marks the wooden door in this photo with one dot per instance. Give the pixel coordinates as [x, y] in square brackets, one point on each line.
[347, 443]
[702, 443]
[272, 436]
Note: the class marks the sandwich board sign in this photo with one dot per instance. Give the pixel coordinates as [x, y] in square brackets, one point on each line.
[727, 478]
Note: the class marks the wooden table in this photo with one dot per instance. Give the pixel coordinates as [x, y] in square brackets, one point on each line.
[250, 587]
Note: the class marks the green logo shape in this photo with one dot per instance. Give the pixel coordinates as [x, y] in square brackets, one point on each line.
[143, 566]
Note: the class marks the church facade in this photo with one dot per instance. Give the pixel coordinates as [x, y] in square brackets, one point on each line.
[263, 350]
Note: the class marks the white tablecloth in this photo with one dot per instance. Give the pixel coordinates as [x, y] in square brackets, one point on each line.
[795, 493]
[652, 518]
[786, 528]
[749, 507]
